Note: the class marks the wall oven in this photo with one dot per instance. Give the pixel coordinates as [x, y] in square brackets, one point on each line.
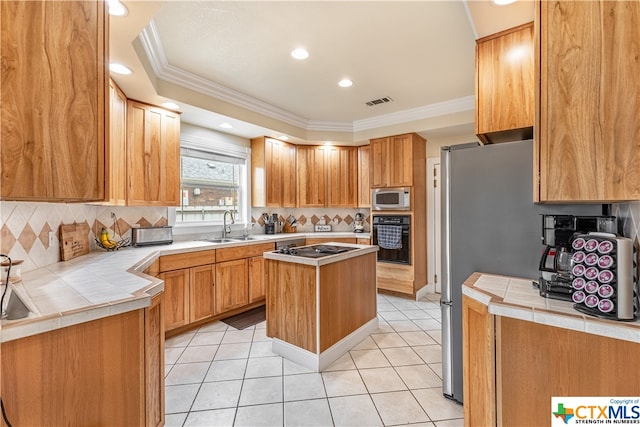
[392, 234]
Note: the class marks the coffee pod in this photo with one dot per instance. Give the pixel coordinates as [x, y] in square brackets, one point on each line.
[605, 247]
[605, 305]
[605, 276]
[591, 273]
[591, 259]
[578, 283]
[578, 297]
[591, 301]
[578, 270]
[605, 261]
[591, 287]
[578, 243]
[578, 257]
[605, 291]
[591, 245]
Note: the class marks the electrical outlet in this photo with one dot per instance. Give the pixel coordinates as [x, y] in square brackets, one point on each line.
[52, 238]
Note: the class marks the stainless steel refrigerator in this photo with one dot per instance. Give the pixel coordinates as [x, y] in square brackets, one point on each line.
[490, 225]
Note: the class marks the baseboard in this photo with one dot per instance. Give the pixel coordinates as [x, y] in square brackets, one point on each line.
[426, 289]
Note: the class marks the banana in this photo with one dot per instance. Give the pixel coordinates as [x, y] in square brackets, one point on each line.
[105, 240]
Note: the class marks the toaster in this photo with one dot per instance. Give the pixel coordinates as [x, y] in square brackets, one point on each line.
[148, 236]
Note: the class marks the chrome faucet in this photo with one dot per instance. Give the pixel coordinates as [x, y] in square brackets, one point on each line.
[227, 228]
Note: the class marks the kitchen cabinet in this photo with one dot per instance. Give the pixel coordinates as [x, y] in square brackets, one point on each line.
[257, 285]
[505, 89]
[201, 292]
[176, 288]
[342, 176]
[587, 128]
[273, 173]
[116, 170]
[153, 155]
[232, 285]
[108, 371]
[392, 159]
[364, 177]
[54, 100]
[312, 190]
[321, 240]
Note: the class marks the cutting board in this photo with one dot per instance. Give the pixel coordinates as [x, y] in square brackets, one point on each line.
[74, 240]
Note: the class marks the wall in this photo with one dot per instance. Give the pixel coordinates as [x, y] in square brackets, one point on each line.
[628, 220]
[25, 227]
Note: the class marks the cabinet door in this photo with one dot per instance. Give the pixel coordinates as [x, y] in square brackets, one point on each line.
[587, 138]
[154, 361]
[273, 172]
[289, 176]
[116, 170]
[401, 161]
[342, 177]
[232, 287]
[54, 99]
[311, 176]
[380, 162]
[364, 177]
[201, 292]
[153, 145]
[176, 298]
[504, 81]
[257, 288]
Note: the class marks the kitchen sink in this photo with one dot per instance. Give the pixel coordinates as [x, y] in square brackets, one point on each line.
[219, 240]
[243, 238]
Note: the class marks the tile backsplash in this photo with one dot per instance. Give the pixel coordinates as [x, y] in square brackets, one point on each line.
[26, 227]
[628, 215]
[339, 219]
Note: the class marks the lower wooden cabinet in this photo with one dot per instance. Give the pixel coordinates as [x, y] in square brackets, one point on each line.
[176, 289]
[154, 361]
[320, 240]
[232, 290]
[202, 292]
[257, 283]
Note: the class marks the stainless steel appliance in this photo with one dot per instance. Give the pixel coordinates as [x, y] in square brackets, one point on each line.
[315, 251]
[490, 225]
[148, 236]
[384, 199]
[392, 234]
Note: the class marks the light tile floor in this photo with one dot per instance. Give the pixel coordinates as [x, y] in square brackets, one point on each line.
[219, 376]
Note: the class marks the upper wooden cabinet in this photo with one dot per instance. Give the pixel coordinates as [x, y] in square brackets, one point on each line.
[587, 142]
[153, 155]
[311, 167]
[392, 159]
[54, 100]
[273, 173]
[364, 176]
[116, 170]
[505, 88]
[342, 176]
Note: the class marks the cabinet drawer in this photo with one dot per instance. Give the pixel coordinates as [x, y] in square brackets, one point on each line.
[187, 259]
[239, 252]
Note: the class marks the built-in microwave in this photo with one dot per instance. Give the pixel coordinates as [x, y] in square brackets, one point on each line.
[383, 199]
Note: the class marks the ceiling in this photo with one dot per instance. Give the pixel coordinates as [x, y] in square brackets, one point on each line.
[230, 62]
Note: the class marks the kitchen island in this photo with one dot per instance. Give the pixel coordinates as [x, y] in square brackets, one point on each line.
[321, 301]
[520, 350]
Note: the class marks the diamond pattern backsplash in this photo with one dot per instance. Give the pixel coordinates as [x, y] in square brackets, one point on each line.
[24, 233]
[339, 219]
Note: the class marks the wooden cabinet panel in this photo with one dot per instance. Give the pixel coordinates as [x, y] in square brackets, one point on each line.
[257, 288]
[401, 160]
[239, 252]
[588, 132]
[342, 176]
[153, 146]
[186, 260]
[273, 173]
[116, 170]
[364, 176]
[176, 303]
[362, 241]
[54, 100]
[320, 240]
[379, 162]
[392, 160]
[154, 361]
[201, 292]
[505, 88]
[310, 163]
[232, 285]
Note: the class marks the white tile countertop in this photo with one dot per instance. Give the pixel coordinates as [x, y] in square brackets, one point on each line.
[103, 284]
[329, 259]
[518, 299]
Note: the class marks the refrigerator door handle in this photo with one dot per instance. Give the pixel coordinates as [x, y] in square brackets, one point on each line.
[447, 365]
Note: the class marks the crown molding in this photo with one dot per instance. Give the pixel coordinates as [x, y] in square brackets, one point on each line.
[152, 45]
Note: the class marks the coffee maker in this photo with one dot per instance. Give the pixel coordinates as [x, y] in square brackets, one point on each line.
[358, 223]
[557, 234]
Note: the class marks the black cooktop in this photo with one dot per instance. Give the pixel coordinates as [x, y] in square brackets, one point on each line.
[316, 251]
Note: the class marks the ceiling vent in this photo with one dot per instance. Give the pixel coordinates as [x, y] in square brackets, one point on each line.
[379, 101]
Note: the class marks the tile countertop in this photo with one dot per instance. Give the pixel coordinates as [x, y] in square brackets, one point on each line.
[518, 299]
[103, 284]
[329, 259]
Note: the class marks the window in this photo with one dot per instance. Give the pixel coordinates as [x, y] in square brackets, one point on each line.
[211, 184]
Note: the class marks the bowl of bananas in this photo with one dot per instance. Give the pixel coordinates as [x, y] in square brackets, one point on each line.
[105, 241]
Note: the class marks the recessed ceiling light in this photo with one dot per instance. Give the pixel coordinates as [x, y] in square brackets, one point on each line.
[328, 143]
[117, 8]
[503, 2]
[171, 105]
[226, 126]
[345, 83]
[283, 137]
[300, 53]
[119, 69]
